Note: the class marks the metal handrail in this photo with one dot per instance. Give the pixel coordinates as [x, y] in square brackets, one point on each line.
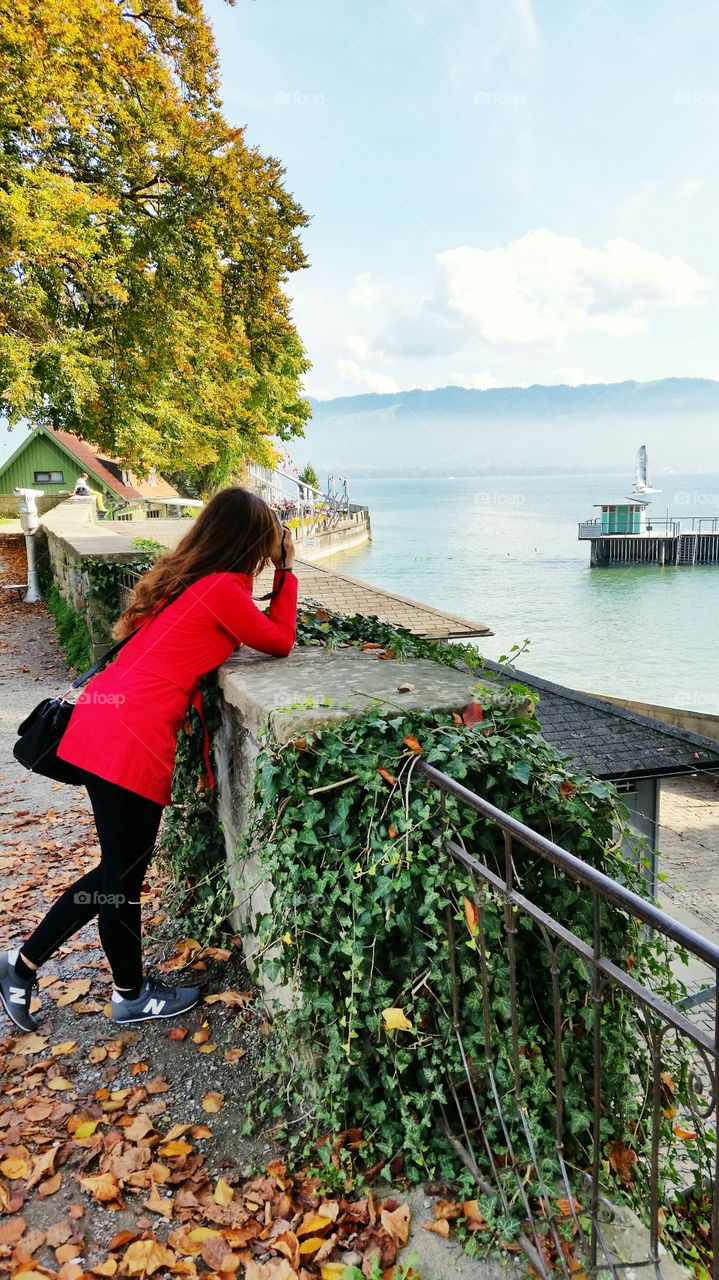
[488, 1099]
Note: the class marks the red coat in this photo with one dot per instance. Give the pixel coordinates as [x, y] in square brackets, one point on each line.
[125, 723]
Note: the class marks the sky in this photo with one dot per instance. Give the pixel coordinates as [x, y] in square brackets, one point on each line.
[501, 192]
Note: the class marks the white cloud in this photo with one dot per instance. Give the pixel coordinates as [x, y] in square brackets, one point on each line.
[543, 287]
[368, 379]
[689, 188]
[364, 292]
[358, 344]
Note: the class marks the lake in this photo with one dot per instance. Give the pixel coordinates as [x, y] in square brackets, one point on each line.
[504, 551]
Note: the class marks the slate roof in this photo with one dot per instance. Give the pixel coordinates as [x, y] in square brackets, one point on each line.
[609, 741]
[348, 595]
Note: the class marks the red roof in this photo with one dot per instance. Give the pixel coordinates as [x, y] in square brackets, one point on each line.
[110, 470]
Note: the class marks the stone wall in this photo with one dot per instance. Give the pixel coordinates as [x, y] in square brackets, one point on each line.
[9, 503]
[283, 698]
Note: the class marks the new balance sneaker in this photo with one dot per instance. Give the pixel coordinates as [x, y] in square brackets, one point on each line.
[156, 1000]
[16, 993]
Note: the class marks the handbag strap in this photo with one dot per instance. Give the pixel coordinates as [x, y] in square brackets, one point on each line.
[102, 662]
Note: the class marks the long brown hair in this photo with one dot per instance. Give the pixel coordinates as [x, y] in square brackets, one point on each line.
[236, 532]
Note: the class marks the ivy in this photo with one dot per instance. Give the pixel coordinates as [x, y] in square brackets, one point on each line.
[71, 628]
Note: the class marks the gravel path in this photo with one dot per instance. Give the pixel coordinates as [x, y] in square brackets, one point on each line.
[47, 838]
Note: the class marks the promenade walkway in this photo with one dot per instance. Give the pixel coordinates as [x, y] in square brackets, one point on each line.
[330, 589]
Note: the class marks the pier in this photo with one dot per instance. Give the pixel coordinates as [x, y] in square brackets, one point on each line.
[626, 534]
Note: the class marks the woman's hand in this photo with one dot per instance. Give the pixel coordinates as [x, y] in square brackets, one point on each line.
[284, 539]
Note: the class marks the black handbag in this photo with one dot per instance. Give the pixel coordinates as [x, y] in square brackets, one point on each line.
[41, 731]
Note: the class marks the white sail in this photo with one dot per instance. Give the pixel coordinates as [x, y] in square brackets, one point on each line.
[642, 483]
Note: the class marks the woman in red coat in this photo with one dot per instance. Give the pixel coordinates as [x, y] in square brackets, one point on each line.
[123, 731]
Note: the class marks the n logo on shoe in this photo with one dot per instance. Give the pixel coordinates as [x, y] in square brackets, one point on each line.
[154, 1006]
[17, 995]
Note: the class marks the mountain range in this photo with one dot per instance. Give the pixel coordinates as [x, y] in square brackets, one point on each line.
[456, 430]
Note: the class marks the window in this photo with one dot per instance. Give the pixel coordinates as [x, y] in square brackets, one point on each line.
[49, 477]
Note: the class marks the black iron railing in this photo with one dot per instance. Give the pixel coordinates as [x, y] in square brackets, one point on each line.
[490, 1122]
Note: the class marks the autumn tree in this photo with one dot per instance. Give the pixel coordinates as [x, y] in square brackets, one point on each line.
[143, 243]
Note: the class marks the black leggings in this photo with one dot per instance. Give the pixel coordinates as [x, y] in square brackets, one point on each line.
[127, 826]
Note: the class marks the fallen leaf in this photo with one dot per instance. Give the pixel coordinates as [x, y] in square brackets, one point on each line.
[411, 742]
[12, 1230]
[395, 1020]
[67, 1046]
[440, 1227]
[86, 1129]
[236, 999]
[175, 1149]
[31, 1043]
[72, 992]
[472, 714]
[223, 1193]
[50, 1185]
[213, 1102]
[143, 1257]
[312, 1224]
[104, 1186]
[396, 1223]
[388, 777]
[622, 1159]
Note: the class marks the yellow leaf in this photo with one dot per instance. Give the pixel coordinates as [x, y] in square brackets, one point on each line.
[176, 1149]
[223, 1192]
[395, 1020]
[67, 1046]
[311, 1245]
[86, 1129]
[312, 1224]
[59, 1083]
[333, 1271]
[14, 1167]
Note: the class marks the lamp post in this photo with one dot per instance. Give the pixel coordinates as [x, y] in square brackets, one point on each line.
[29, 521]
